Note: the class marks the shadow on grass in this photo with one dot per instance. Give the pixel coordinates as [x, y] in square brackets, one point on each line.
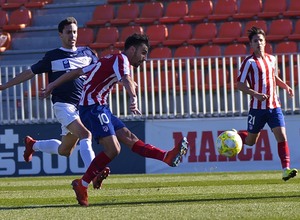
[153, 202]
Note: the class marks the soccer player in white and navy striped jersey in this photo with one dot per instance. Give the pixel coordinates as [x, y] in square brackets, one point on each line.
[65, 98]
[258, 78]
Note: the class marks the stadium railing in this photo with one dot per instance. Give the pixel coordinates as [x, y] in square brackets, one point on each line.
[168, 88]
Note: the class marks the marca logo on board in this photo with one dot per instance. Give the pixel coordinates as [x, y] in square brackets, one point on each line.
[207, 152]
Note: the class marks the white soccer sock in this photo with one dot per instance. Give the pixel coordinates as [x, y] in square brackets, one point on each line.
[47, 146]
[86, 151]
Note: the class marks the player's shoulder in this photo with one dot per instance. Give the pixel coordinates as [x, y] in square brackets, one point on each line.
[87, 51]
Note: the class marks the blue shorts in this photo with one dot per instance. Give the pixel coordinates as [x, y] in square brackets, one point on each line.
[257, 118]
[99, 120]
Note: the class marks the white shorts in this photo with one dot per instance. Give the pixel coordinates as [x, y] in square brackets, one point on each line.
[65, 113]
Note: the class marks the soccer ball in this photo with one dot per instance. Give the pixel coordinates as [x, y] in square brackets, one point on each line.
[229, 143]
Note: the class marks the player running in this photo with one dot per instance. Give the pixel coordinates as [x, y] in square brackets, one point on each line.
[259, 71]
[65, 98]
[106, 128]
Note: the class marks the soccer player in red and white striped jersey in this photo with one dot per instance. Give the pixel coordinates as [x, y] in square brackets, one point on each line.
[106, 128]
[258, 78]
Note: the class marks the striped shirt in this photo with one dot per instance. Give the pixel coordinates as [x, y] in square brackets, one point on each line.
[60, 61]
[260, 75]
[101, 77]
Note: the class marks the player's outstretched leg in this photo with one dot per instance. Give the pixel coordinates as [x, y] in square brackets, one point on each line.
[97, 181]
[29, 142]
[289, 173]
[173, 157]
[81, 192]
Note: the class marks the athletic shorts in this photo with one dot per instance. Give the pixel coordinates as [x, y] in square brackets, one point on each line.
[257, 118]
[99, 120]
[65, 113]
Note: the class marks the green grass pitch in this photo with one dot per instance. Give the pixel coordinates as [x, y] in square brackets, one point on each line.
[236, 195]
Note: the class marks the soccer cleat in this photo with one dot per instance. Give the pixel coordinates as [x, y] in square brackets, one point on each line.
[289, 173]
[97, 181]
[81, 192]
[29, 142]
[174, 156]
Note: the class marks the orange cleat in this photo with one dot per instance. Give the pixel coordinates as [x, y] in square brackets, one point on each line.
[29, 142]
[97, 181]
[81, 192]
[174, 156]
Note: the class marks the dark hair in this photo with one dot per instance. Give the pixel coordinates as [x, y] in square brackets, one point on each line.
[65, 22]
[255, 31]
[136, 40]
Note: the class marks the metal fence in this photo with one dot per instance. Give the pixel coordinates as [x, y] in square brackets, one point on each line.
[168, 88]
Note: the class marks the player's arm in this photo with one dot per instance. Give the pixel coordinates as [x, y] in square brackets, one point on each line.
[21, 77]
[62, 79]
[130, 87]
[242, 86]
[285, 86]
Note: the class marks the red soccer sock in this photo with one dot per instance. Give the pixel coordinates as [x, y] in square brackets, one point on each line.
[147, 150]
[97, 165]
[243, 135]
[284, 154]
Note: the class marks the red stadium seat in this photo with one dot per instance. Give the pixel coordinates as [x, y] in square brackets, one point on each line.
[126, 13]
[183, 52]
[223, 10]
[187, 51]
[210, 51]
[175, 11]
[272, 9]
[13, 4]
[199, 11]
[178, 35]
[228, 32]
[102, 15]
[296, 33]
[106, 37]
[85, 36]
[157, 34]
[248, 9]
[286, 47]
[18, 19]
[160, 52]
[293, 9]
[257, 23]
[126, 32]
[150, 14]
[235, 49]
[279, 29]
[203, 33]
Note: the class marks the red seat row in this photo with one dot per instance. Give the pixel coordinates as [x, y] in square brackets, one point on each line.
[15, 4]
[195, 11]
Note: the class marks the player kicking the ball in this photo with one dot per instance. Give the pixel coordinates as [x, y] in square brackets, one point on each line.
[259, 71]
[107, 129]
